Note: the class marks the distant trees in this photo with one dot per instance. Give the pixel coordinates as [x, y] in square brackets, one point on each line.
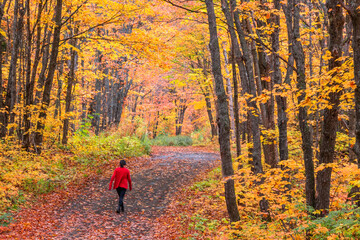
[47, 54]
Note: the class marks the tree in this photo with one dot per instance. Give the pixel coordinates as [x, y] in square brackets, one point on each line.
[222, 116]
[329, 126]
[50, 77]
[277, 79]
[250, 88]
[70, 85]
[292, 13]
[353, 9]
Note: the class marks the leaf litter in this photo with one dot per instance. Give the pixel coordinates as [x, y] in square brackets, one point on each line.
[87, 210]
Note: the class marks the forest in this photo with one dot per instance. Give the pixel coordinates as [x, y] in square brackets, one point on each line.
[258, 99]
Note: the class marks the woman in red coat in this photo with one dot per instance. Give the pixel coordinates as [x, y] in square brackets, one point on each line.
[121, 179]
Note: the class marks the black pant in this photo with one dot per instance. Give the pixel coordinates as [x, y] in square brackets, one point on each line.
[121, 192]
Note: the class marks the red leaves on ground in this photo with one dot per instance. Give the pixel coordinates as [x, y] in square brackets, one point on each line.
[87, 210]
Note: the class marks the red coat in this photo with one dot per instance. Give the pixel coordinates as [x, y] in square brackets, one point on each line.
[121, 178]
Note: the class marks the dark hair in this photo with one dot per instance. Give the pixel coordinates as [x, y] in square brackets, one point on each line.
[122, 163]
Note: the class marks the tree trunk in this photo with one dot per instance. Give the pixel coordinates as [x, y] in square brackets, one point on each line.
[31, 73]
[266, 81]
[292, 13]
[57, 112]
[236, 106]
[69, 88]
[245, 82]
[11, 87]
[44, 63]
[206, 92]
[156, 125]
[122, 92]
[209, 112]
[95, 122]
[251, 90]
[180, 114]
[50, 77]
[330, 122]
[222, 116]
[280, 101]
[229, 93]
[354, 11]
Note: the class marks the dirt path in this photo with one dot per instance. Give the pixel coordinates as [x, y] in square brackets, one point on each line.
[91, 214]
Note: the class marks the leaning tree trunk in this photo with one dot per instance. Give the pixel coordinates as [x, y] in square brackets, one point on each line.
[223, 120]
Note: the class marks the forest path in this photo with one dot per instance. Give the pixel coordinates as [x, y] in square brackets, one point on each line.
[90, 212]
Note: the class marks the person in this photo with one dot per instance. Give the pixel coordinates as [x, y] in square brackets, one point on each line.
[122, 180]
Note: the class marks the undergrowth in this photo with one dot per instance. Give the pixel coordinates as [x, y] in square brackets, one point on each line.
[165, 140]
[24, 174]
[287, 216]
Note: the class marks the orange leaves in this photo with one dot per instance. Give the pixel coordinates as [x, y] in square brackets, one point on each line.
[328, 165]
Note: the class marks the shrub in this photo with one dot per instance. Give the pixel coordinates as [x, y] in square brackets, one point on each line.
[341, 224]
[54, 168]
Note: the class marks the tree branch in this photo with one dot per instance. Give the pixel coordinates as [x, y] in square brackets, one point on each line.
[351, 13]
[184, 8]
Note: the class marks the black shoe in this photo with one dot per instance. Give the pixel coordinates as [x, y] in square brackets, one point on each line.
[122, 209]
[118, 210]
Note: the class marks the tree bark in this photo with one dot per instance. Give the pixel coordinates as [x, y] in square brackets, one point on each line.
[266, 81]
[206, 92]
[50, 77]
[31, 72]
[180, 114]
[229, 93]
[354, 11]
[280, 100]
[222, 116]
[292, 13]
[330, 122]
[236, 106]
[44, 63]
[251, 90]
[11, 87]
[69, 88]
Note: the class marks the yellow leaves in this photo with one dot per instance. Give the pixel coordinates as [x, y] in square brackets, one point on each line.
[248, 6]
[327, 55]
[3, 33]
[327, 165]
[263, 98]
[199, 105]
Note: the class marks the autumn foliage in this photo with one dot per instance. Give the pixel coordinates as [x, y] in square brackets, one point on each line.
[276, 83]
